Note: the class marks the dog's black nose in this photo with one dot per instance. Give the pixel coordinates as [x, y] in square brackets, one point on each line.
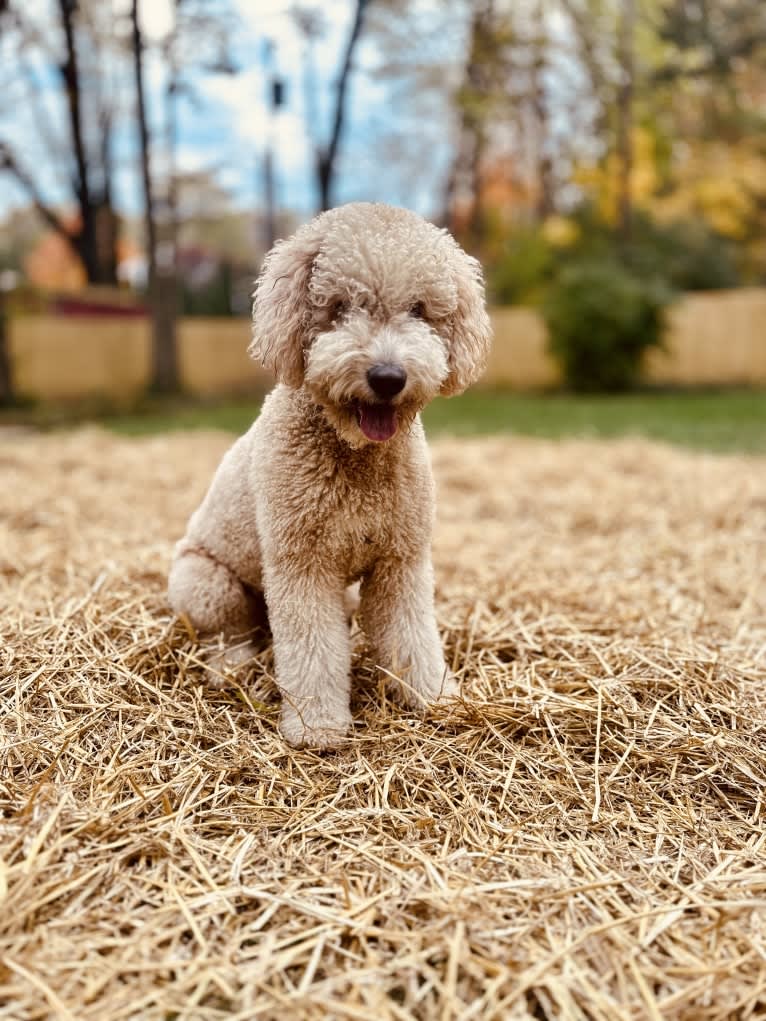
[386, 381]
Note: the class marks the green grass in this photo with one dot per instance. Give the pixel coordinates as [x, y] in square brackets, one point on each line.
[234, 416]
[733, 420]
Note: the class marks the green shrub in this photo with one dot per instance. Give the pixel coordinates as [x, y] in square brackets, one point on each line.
[688, 254]
[601, 319]
[525, 266]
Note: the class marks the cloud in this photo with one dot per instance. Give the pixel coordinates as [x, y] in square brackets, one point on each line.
[155, 17]
[249, 118]
[228, 126]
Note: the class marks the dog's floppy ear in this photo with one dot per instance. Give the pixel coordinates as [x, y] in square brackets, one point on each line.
[468, 325]
[281, 313]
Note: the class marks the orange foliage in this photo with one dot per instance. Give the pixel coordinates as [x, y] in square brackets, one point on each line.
[503, 197]
[53, 264]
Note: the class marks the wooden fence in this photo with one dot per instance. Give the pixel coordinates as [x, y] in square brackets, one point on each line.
[717, 339]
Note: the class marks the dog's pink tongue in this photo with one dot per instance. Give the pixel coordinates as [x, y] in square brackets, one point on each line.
[377, 421]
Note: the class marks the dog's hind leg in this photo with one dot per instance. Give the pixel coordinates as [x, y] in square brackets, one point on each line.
[216, 601]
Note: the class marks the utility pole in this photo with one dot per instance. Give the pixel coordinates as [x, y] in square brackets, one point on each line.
[274, 102]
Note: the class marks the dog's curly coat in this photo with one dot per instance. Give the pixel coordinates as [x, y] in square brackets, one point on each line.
[365, 315]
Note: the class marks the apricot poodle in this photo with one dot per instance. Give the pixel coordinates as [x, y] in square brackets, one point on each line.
[365, 315]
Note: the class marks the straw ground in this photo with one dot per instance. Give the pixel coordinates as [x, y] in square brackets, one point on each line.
[583, 837]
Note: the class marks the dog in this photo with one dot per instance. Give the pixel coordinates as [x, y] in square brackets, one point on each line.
[364, 315]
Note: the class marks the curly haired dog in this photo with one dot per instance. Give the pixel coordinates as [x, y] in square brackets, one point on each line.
[365, 315]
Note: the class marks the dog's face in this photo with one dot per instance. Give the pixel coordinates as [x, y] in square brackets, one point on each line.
[373, 370]
[375, 312]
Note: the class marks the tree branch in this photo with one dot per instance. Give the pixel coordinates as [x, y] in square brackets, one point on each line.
[71, 75]
[9, 163]
[719, 62]
[328, 155]
[143, 128]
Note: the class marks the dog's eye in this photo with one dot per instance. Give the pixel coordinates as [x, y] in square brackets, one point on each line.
[418, 310]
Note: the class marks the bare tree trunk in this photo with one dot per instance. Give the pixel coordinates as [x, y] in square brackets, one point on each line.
[7, 394]
[586, 29]
[94, 239]
[326, 158]
[545, 197]
[172, 283]
[447, 217]
[471, 143]
[106, 218]
[476, 223]
[87, 242]
[164, 353]
[625, 118]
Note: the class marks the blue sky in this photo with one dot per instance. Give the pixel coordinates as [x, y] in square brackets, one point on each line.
[225, 131]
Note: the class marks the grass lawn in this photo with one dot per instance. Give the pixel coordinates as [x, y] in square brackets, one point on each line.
[731, 420]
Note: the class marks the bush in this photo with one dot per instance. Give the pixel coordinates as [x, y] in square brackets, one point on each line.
[526, 265]
[601, 319]
[686, 253]
[690, 256]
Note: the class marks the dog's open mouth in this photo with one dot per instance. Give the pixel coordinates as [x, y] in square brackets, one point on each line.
[378, 422]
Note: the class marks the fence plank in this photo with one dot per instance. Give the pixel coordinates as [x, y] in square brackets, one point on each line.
[214, 360]
[713, 339]
[67, 357]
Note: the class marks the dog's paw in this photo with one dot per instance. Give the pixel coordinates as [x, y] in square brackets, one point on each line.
[303, 730]
[226, 664]
[449, 689]
[420, 695]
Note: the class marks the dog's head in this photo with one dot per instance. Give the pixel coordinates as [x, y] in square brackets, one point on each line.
[374, 311]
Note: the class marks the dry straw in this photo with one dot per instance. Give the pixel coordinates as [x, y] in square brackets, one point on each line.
[582, 838]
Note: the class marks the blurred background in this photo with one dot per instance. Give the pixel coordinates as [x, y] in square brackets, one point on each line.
[605, 159]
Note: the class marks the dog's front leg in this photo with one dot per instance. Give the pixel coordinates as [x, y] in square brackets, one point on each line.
[397, 614]
[312, 653]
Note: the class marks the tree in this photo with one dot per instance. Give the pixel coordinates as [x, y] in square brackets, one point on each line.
[681, 121]
[414, 63]
[475, 103]
[85, 149]
[162, 298]
[626, 28]
[546, 201]
[198, 43]
[522, 114]
[198, 40]
[6, 377]
[709, 40]
[326, 157]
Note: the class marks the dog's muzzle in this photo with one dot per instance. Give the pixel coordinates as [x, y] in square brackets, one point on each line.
[378, 422]
[386, 381]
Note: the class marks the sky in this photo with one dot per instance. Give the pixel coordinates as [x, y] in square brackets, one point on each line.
[225, 130]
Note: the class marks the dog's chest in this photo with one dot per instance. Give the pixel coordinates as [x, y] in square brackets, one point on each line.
[365, 533]
[358, 521]
[349, 518]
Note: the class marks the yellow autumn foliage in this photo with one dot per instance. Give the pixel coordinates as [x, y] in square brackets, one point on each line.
[602, 182]
[560, 231]
[722, 184]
